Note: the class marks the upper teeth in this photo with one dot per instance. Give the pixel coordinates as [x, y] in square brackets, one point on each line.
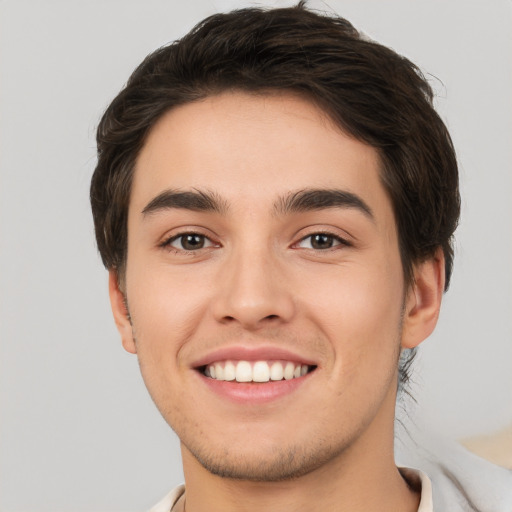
[256, 371]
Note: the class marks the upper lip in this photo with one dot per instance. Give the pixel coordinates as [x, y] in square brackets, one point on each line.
[243, 353]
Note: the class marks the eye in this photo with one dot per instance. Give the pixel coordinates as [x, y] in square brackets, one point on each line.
[189, 242]
[321, 241]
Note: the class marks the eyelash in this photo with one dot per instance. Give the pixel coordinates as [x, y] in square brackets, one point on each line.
[335, 240]
[167, 244]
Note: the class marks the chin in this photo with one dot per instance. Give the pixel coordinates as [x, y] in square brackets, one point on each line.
[264, 464]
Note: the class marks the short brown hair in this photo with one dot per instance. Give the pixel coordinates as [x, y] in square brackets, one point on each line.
[372, 93]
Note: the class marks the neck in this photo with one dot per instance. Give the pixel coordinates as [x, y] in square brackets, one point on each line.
[363, 477]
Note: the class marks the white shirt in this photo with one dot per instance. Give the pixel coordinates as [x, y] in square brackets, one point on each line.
[172, 502]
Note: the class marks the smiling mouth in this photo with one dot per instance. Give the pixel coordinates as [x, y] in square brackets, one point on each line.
[255, 371]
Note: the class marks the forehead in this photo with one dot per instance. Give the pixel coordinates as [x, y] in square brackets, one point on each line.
[251, 149]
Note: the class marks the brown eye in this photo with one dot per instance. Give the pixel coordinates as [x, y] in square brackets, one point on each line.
[190, 242]
[321, 242]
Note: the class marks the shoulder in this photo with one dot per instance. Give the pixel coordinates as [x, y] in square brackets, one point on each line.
[461, 481]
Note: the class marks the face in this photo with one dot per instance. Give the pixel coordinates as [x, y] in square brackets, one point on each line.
[264, 285]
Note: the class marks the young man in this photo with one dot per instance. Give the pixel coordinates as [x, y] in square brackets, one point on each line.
[275, 200]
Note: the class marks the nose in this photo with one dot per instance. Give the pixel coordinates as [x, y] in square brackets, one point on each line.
[253, 291]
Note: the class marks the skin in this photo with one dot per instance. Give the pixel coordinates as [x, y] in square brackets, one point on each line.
[259, 281]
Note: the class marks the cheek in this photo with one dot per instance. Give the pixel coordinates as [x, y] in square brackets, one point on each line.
[356, 296]
[166, 308]
[359, 310]
[166, 311]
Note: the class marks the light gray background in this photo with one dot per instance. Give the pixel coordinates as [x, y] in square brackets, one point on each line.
[78, 430]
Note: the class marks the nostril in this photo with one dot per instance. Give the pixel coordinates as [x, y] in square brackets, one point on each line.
[228, 319]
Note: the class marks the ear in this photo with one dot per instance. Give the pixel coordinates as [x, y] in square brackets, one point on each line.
[423, 300]
[120, 312]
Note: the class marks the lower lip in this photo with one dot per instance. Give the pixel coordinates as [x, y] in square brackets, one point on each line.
[254, 392]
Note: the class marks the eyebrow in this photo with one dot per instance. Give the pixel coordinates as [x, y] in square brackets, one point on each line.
[295, 202]
[320, 199]
[197, 200]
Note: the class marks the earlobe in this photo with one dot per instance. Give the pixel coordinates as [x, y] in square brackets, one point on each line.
[423, 300]
[120, 312]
